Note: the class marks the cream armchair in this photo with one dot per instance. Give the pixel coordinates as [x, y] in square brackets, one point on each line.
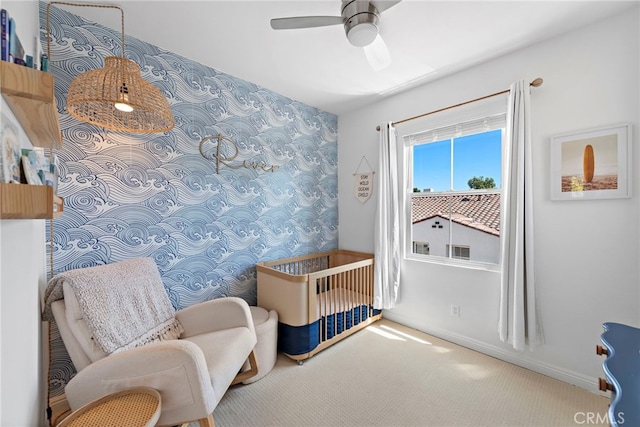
[192, 372]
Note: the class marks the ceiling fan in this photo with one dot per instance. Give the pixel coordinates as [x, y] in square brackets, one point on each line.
[361, 20]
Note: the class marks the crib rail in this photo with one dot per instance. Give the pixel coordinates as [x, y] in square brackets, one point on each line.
[306, 264]
[303, 266]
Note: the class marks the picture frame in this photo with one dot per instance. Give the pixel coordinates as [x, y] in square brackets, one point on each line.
[30, 174]
[10, 151]
[592, 164]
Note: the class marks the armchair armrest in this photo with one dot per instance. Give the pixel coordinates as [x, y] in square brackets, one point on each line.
[176, 368]
[215, 315]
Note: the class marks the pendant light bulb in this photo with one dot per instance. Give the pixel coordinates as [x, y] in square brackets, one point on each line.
[124, 105]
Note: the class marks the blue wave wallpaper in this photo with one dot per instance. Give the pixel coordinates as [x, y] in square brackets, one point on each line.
[155, 195]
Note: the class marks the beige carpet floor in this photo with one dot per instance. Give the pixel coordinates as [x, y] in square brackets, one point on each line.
[390, 375]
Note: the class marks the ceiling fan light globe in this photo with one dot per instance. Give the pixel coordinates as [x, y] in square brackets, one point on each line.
[362, 34]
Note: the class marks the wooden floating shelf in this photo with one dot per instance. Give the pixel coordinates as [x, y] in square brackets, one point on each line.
[23, 201]
[29, 94]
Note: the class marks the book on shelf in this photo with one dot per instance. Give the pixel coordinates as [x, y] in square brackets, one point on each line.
[16, 51]
[4, 26]
[11, 29]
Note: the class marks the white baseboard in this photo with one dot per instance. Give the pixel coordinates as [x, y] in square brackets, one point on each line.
[575, 378]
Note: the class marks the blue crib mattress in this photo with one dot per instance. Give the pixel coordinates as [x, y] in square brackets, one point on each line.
[297, 340]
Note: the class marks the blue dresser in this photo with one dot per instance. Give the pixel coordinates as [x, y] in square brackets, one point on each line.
[621, 345]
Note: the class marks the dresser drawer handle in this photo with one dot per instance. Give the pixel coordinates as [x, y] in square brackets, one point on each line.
[603, 385]
[600, 350]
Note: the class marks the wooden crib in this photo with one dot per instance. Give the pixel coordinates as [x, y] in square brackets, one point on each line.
[320, 298]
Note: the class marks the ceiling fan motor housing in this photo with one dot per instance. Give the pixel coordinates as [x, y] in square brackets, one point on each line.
[361, 20]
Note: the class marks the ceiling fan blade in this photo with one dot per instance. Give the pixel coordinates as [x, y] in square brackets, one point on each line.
[383, 5]
[304, 22]
[377, 54]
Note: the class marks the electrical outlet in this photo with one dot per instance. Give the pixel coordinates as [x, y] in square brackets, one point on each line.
[455, 310]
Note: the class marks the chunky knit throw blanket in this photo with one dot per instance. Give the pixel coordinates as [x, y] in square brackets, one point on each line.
[124, 304]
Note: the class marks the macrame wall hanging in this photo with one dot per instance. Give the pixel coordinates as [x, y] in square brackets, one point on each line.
[363, 182]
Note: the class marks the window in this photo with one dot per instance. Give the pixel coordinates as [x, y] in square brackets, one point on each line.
[421, 248]
[455, 177]
[460, 252]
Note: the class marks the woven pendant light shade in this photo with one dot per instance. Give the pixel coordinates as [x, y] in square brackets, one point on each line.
[116, 96]
[93, 97]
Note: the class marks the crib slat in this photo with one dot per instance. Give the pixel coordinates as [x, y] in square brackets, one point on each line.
[359, 296]
[341, 301]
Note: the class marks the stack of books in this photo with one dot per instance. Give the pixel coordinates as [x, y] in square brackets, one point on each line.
[11, 47]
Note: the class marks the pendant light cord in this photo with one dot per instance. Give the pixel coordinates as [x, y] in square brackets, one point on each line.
[49, 358]
[103, 6]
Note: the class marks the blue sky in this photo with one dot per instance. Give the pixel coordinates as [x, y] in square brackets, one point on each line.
[474, 155]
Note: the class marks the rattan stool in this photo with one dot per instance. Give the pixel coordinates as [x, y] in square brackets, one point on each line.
[133, 407]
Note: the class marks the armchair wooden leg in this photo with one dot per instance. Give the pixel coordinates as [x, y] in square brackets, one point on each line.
[60, 409]
[203, 422]
[207, 422]
[251, 372]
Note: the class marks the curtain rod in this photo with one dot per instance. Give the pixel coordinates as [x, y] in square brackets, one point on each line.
[535, 83]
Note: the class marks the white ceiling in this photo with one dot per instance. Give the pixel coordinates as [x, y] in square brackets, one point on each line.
[427, 40]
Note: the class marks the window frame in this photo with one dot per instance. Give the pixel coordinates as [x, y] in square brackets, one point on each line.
[405, 158]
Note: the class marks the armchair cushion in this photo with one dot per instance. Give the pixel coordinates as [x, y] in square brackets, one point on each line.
[78, 327]
[78, 356]
[123, 304]
[225, 353]
[223, 328]
[215, 315]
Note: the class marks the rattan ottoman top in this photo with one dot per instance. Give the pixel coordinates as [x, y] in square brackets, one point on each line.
[132, 407]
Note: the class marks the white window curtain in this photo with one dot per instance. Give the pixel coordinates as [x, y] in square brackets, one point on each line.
[518, 322]
[386, 275]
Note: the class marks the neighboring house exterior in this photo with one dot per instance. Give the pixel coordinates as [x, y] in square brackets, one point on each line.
[473, 230]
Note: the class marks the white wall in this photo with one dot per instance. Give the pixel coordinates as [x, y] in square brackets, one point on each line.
[22, 276]
[586, 261]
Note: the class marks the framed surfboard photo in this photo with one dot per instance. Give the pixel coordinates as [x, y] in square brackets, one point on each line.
[592, 164]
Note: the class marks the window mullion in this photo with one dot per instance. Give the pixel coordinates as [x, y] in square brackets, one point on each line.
[451, 164]
[451, 188]
[450, 237]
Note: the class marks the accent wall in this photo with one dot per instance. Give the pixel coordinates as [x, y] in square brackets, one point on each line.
[155, 195]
